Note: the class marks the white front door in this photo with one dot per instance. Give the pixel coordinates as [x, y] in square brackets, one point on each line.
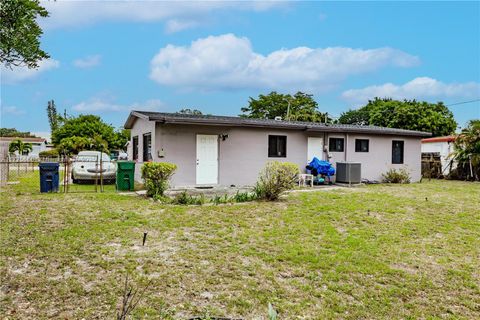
[207, 159]
[314, 148]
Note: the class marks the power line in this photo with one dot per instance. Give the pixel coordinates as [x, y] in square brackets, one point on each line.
[463, 102]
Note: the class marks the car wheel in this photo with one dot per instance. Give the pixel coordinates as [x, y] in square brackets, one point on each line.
[75, 181]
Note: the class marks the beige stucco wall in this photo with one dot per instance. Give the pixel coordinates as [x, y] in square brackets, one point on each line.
[379, 158]
[241, 156]
[140, 127]
[244, 153]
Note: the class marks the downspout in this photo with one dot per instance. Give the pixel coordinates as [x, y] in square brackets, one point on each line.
[325, 149]
[346, 146]
[324, 146]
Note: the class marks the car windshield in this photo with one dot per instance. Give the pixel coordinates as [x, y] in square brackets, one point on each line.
[92, 157]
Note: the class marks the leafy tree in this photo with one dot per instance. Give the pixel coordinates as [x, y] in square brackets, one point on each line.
[20, 33]
[120, 139]
[53, 117]
[359, 117]
[467, 147]
[194, 112]
[98, 143]
[88, 132]
[299, 107]
[408, 114]
[12, 132]
[73, 145]
[20, 146]
[52, 153]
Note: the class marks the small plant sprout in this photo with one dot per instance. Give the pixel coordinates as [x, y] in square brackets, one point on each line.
[272, 314]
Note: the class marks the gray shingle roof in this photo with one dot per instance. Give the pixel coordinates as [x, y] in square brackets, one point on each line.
[177, 118]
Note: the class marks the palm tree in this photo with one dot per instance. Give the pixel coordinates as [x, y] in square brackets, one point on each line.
[467, 147]
[20, 146]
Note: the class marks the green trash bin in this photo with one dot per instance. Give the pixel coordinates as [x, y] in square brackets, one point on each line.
[125, 175]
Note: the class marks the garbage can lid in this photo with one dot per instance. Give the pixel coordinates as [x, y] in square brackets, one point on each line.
[126, 164]
[48, 165]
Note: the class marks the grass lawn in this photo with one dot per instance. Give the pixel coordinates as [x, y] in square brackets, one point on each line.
[380, 251]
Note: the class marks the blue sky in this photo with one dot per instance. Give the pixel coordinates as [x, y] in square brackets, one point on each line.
[108, 58]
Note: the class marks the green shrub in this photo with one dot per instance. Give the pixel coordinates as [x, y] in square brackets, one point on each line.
[53, 153]
[221, 199]
[396, 176]
[259, 191]
[244, 196]
[156, 176]
[185, 199]
[276, 178]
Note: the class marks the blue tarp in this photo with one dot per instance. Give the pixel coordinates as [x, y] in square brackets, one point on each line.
[322, 167]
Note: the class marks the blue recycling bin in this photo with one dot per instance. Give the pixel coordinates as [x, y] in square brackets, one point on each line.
[49, 180]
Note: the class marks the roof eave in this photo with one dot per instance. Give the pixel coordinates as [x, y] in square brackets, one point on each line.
[131, 119]
[370, 131]
[274, 125]
[216, 122]
[280, 125]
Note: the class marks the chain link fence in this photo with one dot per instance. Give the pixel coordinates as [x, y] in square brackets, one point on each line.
[14, 168]
[90, 173]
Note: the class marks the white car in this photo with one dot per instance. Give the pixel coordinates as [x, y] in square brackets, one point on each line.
[122, 156]
[88, 165]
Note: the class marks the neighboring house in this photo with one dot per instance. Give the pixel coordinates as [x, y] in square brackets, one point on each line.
[38, 145]
[219, 150]
[444, 147]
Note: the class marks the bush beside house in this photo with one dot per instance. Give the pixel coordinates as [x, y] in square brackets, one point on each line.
[156, 176]
[396, 176]
[276, 178]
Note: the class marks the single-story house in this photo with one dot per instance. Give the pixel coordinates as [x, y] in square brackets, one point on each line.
[38, 145]
[443, 146]
[221, 150]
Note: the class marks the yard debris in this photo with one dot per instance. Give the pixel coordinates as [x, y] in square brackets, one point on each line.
[206, 295]
[131, 298]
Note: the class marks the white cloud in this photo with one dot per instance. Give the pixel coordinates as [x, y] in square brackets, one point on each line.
[418, 88]
[19, 74]
[102, 105]
[88, 62]
[178, 15]
[229, 62]
[176, 25]
[12, 110]
[152, 105]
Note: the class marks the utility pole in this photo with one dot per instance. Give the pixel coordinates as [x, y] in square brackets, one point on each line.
[288, 110]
